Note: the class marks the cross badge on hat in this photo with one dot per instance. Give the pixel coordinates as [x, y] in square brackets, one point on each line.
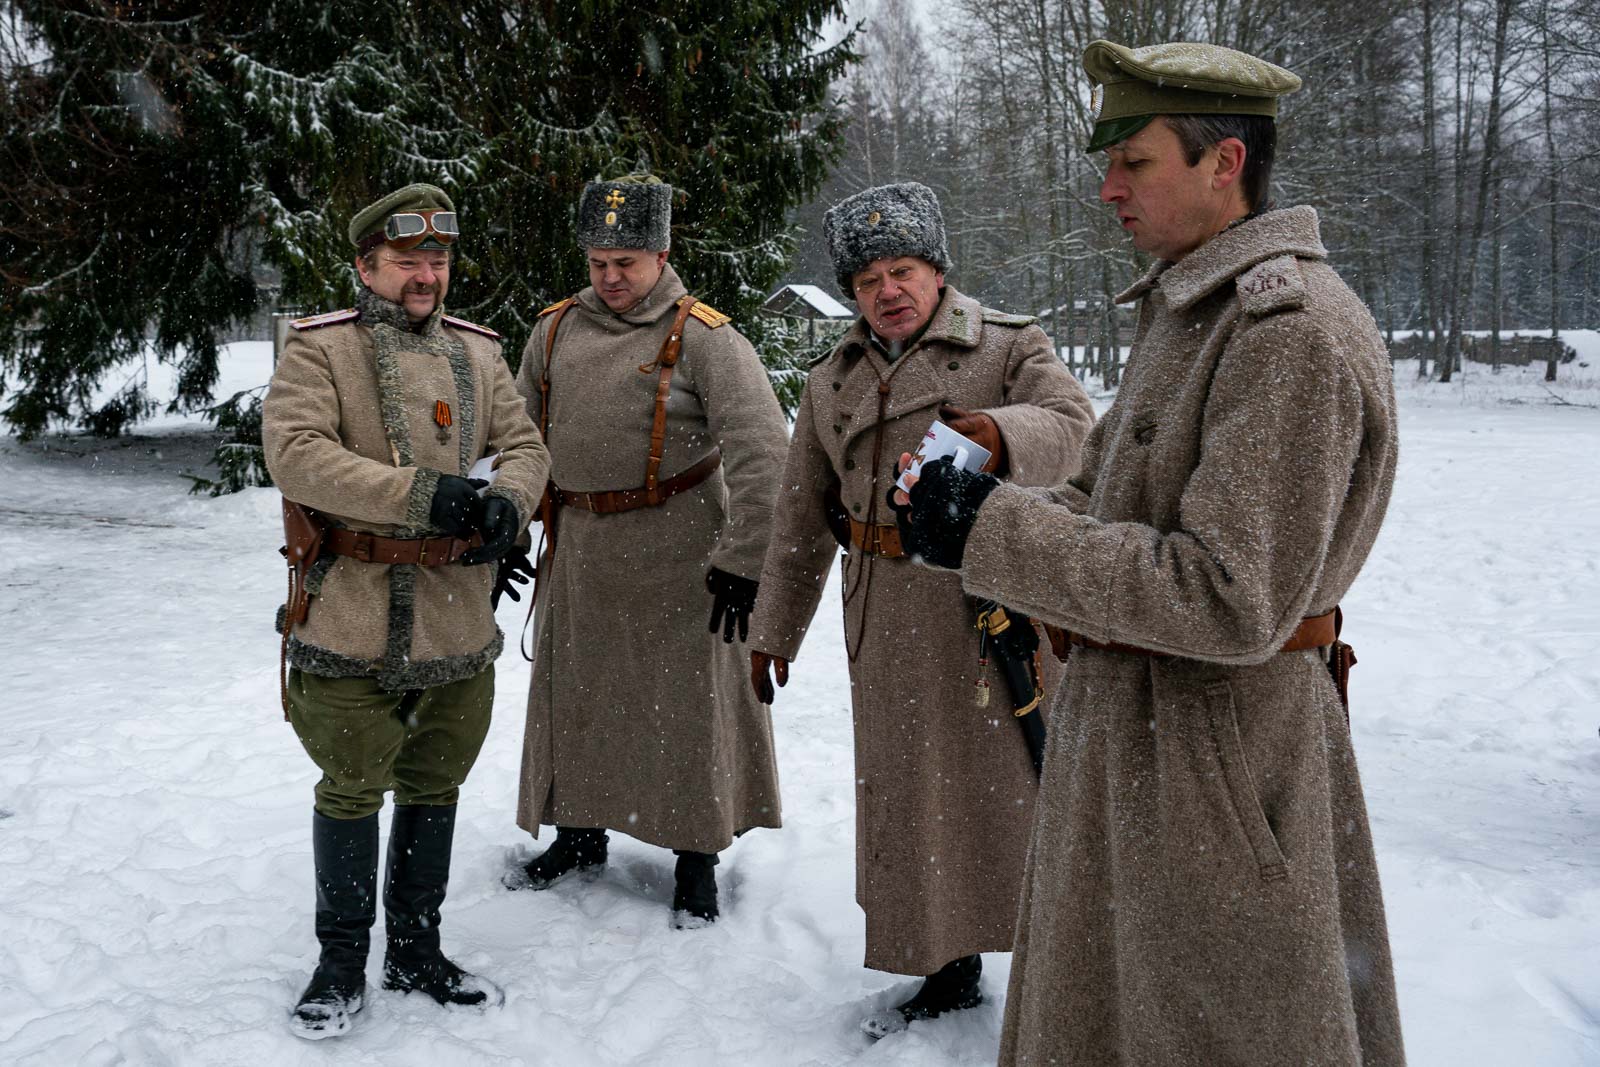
[614, 201]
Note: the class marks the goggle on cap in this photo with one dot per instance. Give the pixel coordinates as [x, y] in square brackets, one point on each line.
[1131, 86]
[417, 216]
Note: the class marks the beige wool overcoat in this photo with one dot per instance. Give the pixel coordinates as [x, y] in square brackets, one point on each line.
[944, 789]
[351, 429]
[640, 719]
[1201, 883]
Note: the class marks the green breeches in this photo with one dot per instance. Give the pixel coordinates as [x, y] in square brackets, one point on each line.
[420, 743]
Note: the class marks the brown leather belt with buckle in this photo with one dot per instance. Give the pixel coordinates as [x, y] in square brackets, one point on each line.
[422, 551]
[612, 501]
[877, 539]
[1313, 632]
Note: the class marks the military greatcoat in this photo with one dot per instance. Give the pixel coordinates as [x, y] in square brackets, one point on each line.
[1202, 887]
[353, 429]
[944, 788]
[639, 718]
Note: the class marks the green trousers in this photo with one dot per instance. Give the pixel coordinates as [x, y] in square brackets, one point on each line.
[420, 743]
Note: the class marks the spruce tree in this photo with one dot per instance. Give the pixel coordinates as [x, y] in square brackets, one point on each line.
[154, 155]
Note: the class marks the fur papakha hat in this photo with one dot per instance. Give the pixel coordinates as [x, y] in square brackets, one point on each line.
[417, 197]
[634, 211]
[886, 221]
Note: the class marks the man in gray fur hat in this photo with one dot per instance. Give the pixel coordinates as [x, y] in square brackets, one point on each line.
[1202, 884]
[665, 441]
[375, 416]
[944, 787]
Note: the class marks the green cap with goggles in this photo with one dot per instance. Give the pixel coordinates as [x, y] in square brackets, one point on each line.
[1131, 86]
[418, 216]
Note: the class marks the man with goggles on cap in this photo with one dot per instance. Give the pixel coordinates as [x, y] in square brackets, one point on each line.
[374, 418]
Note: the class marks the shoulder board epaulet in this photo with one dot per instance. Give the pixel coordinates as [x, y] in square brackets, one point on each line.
[463, 324]
[327, 318]
[1004, 318]
[557, 306]
[1270, 286]
[709, 315]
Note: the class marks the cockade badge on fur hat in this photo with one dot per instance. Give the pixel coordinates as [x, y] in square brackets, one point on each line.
[1131, 86]
[634, 211]
[885, 222]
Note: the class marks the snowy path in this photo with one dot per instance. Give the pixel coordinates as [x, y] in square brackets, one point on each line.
[155, 873]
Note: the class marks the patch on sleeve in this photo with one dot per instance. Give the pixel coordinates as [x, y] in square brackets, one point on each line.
[709, 315]
[463, 324]
[557, 306]
[327, 318]
[1003, 318]
[1272, 285]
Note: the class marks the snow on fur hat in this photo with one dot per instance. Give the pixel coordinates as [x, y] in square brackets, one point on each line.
[634, 211]
[885, 222]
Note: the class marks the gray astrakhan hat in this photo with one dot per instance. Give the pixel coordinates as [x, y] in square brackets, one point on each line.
[1131, 86]
[883, 223]
[629, 212]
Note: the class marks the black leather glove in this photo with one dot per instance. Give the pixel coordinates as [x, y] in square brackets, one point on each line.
[732, 600]
[456, 509]
[944, 505]
[515, 569]
[500, 525]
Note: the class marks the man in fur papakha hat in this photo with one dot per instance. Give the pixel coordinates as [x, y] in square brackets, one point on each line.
[1202, 886]
[374, 417]
[944, 788]
[665, 440]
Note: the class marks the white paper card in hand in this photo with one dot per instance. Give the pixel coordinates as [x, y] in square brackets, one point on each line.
[941, 441]
[485, 469]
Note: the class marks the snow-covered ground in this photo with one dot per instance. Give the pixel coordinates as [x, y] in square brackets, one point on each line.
[155, 865]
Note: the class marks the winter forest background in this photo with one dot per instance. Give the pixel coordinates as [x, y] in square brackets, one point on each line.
[1451, 146]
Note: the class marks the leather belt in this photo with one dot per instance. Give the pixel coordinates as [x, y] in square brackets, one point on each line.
[612, 501]
[877, 539]
[372, 548]
[1314, 632]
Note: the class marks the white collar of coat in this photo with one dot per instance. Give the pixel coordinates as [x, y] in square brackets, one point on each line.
[1289, 232]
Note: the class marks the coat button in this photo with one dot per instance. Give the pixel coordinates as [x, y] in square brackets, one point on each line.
[958, 311]
[856, 507]
[837, 428]
[836, 387]
[953, 365]
[849, 464]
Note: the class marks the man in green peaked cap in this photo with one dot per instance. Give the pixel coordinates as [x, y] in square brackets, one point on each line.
[375, 417]
[1202, 886]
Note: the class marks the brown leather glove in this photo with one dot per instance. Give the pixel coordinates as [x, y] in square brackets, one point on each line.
[760, 681]
[980, 428]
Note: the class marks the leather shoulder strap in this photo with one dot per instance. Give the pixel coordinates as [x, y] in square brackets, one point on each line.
[667, 359]
[559, 310]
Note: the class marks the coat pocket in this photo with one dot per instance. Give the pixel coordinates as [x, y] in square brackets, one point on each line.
[1223, 723]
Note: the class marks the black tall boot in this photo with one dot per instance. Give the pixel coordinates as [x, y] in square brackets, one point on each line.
[575, 848]
[346, 856]
[951, 988]
[413, 890]
[694, 900]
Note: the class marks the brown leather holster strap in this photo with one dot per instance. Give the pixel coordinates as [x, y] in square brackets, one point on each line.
[612, 501]
[1313, 632]
[421, 551]
[304, 533]
[667, 360]
[878, 539]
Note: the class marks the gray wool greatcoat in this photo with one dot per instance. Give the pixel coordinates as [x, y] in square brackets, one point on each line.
[1201, 883]
[349, 428]
[944, 789]
[640, 719]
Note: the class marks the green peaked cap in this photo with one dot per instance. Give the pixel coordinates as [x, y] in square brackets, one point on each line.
[1134, 85]
[416, 197]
